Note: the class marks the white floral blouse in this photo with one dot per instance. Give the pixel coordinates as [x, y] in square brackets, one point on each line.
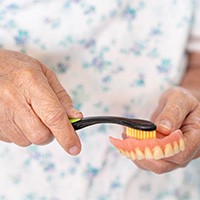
[113, 57]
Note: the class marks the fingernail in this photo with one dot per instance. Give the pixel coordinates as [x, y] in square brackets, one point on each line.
[166, 125]
[76, 112]
[74, 150]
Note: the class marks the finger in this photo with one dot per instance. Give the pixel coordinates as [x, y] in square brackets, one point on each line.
[23, 119]
[49, 109]
[139, 165]
[61, 94]
[31, 126]
[3, 138]
[191, 138]
[172, 114]
[14, 134]
[158, 167]
[158, 110]
[8, 128]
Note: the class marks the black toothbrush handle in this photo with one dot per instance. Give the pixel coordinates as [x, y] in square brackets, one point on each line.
[139, 124]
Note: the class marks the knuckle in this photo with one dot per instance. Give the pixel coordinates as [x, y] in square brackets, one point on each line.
[7, 92]
[28, 74]
[62, 94]
[177, 112]
[188, 99]
[50, 73]
[9, 133]
[55, 118]
[40, 139]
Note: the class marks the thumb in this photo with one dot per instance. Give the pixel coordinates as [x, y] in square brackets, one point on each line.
[174, 107]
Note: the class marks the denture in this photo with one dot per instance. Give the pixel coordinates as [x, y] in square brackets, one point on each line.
[152, 148]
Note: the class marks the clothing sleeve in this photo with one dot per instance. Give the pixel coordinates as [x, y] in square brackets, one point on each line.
[194, 37]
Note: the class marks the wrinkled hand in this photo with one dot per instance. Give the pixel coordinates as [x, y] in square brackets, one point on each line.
[34, 107]
[178, 109]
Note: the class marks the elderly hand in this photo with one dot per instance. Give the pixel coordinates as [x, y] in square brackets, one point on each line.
[178, 134]
[178, 109]
[34, 107]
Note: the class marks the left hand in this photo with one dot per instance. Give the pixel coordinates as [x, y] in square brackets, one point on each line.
[177, 109]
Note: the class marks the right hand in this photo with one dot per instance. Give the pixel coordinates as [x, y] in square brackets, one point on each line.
[34, 107]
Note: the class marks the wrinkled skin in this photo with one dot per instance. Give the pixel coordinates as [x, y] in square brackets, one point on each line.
[178, 109]
[34, 107]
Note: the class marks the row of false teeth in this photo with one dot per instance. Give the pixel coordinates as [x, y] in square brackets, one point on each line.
[156, 153]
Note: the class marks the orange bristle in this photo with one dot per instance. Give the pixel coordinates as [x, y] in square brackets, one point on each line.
[140, 134]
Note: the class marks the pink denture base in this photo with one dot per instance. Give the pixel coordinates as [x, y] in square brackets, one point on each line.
[130, 144]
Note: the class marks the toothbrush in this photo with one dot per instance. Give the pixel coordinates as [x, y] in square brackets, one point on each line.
[136, 128]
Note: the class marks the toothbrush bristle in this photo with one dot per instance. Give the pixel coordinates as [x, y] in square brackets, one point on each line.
[140, 134]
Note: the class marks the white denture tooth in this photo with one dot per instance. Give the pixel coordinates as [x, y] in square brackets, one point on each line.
[132, 155]
[139, 154]
[168, 151]
[157, 153]
[147, 153]
[122, 152]
[176, 147]
[181, 144]
[127, 154]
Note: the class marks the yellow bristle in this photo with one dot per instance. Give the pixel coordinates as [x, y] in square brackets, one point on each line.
[140, 134]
